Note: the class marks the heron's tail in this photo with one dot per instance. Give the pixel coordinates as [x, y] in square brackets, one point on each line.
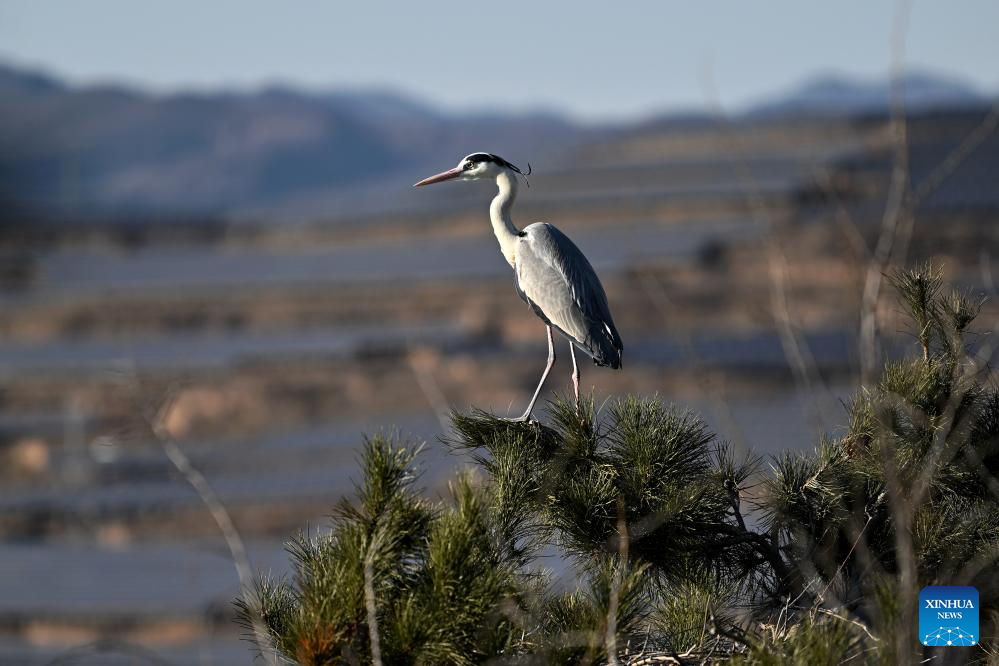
[604, 345]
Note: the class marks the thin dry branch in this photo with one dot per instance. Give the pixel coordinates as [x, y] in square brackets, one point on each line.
[661, 301]
[957, 156]
[842, 216]
[369, 598]
[615, 593]
[846, 559]
[943, 450]
[137, 654]
[895, 204]
[856, 623]
[799, 356]
[938, 176]
[430, 388]
[218, 511]
[985, 267]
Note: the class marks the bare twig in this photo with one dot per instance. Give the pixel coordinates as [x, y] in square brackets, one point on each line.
[957, 156]
[846, 559]
[896, 207]
[615, 592]
[704, 625]
[938, 176]
[944, 450]
[430, 388]
[156, 422]
[857, 623]
[369, 598]
[136, 653]
[985, 267]
[660, 299]
[796, 350]
[842, 215]
[895, 204]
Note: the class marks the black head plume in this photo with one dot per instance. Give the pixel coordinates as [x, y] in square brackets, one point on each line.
[496, 159]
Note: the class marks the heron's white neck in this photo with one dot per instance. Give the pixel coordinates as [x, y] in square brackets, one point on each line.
[499, 214]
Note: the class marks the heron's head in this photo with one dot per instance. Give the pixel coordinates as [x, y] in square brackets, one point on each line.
[474, 167]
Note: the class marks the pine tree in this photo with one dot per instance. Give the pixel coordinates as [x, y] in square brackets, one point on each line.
[684, 552]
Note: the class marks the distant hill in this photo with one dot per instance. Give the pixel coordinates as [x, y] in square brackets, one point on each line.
[112, 151]
[837, 95]
[104, 149]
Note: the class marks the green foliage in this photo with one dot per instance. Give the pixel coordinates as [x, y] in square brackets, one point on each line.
[441, 588]
[680, 549]
[813, 640]
[575, 626]
[689, 611]
[650, 477]
[924, 434]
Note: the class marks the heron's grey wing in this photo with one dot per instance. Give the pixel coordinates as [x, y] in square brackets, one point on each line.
[558, 281]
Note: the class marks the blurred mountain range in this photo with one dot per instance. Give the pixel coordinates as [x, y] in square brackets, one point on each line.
[113, 151]
[832, 94]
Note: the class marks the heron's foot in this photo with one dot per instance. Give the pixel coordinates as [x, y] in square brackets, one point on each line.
[523, 418]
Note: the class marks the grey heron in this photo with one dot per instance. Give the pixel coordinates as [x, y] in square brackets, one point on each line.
[551, 274]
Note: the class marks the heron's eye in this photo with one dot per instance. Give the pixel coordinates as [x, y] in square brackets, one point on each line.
[469, 165]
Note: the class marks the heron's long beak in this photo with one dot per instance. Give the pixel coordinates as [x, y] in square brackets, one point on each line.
[446, 175]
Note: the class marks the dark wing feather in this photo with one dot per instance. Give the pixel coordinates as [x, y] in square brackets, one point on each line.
[559, 283]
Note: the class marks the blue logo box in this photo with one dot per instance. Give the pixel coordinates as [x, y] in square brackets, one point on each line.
[948, 616]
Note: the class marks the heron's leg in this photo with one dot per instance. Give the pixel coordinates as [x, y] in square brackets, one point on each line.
[548, 368]
[575, 374]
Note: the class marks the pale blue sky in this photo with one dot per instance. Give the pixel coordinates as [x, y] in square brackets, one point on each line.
[591, 59]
